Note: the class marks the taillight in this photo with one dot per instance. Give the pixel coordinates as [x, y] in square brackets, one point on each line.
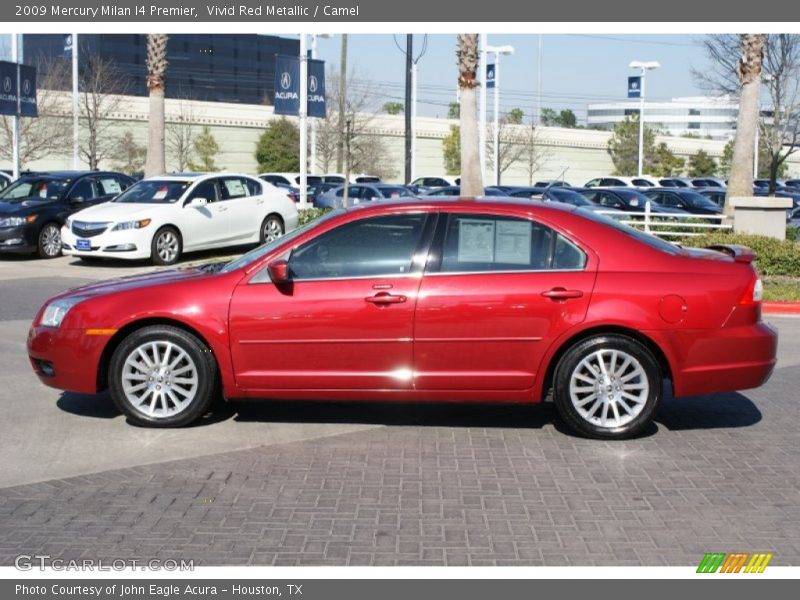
[753, 293]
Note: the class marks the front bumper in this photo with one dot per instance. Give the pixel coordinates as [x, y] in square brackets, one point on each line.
[17, 239]
[66, 359]
[131, 244]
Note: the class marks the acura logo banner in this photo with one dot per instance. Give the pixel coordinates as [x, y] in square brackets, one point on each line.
[287, 86]
[12, 102]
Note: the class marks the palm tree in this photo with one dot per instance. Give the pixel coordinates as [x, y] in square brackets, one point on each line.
[471, 178]
[749, 71]
[156, 71]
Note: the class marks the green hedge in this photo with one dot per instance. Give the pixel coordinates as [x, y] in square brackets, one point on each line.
[773, 257]
[309, 214]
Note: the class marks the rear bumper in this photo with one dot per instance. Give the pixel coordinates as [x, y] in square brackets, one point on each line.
[65, 359]
[727, 359]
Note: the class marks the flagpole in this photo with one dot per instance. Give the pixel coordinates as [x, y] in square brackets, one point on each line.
[75, 163]
[303, 114]
[15, 58]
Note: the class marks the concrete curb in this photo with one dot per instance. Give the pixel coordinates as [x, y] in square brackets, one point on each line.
[780, 308]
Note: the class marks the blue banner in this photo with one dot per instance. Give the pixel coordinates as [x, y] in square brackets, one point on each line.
[68, 46]
[8, 88]
[287, 85]
[316, 89]
[27, 96]
[635, 86]
[489, 76]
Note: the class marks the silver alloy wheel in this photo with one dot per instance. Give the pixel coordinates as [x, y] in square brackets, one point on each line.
[51, 240]
[609, 388]
[159, 379]
[167, 246]
[272, 230]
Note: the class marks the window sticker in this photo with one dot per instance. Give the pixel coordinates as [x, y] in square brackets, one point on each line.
[475, 240]
[160, 194]
[513, 242]
[235, 188]
[111, 186]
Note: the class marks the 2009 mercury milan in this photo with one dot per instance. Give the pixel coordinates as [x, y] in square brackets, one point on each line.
[493, 300]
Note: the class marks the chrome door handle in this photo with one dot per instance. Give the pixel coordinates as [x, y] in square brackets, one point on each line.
[384, 298]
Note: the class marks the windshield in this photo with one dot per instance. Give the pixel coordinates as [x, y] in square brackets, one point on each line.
[45, 189]
[645, 238]
[257, 253]
[154, 191]
[568, 196]
[698, 200]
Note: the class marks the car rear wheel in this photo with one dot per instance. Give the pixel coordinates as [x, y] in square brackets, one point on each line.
[271, 229]
[166, 247]
[162, 376]
[50, 241]
[607, 387]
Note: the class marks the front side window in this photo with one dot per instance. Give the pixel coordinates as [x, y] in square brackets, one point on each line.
[205, 189]
[374, 247]
[485, 243]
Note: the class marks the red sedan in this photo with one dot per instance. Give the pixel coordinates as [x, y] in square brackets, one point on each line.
[480, 301]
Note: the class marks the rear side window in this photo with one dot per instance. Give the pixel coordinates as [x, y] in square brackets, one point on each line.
[485, 243]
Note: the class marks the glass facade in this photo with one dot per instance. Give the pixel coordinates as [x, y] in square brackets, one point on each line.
[208, 67]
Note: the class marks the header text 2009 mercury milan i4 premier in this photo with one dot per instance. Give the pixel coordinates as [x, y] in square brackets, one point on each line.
[491, 300]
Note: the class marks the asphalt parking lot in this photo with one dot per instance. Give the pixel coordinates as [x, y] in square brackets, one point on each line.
[337, 483]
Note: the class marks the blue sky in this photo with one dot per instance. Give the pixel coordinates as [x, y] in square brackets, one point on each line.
[576, 69]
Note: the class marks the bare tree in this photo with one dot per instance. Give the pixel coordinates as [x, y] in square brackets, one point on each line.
[156, 80]
[467, 53]
[517, 143]
[368, 149]
[181, 134]
[779, 71]
[51, 132]
[102, 88]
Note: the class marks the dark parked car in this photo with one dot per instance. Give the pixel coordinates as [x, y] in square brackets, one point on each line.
[556, 194]
[709, 182]
[454, 191]
[716, 195]
[358, 193]
[625, 199]
[685, 199]
[33, 208]
[676, 182]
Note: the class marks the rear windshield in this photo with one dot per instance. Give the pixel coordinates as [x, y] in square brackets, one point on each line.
[645, 238]
[153, 191]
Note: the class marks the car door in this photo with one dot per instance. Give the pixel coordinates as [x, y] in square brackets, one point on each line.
[671, 200]
[243, 207]
[204, 226]
[345, 321]
[496, 293]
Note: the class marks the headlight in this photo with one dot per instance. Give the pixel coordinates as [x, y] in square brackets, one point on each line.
[55, 312]
[16, 221]
[131, 225]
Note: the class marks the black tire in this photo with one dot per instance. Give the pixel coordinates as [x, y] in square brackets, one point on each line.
[609, 389]
[271, 225]
[197, 353]
[49, 235]
[163, 238]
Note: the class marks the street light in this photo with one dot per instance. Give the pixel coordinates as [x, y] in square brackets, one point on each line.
[313, 142]
[645, 66]
[497, 50]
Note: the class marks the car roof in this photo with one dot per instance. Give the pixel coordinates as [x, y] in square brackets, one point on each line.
[195, 176]
[69, 174]
[457, 202]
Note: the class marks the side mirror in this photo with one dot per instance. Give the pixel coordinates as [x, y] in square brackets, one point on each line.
[197, 202]
[77, 200]
[279, 272]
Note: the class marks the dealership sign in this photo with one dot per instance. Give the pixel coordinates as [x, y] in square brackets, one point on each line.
[490, 70]
[635, 87]
[17, 90]
[287, 87]
[8, 88]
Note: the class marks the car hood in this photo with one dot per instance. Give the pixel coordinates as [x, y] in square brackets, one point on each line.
[24, 206]
[119, 211]
[122, 284]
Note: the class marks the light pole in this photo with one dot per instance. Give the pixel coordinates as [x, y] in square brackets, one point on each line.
[16, 57]
[645, 66]
[482, 124]
[497, 50]
[313, 142]
[303, 116]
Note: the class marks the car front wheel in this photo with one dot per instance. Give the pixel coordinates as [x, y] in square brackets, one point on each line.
[50, 241]
[166, 247]
[162, 376]
[607, 387]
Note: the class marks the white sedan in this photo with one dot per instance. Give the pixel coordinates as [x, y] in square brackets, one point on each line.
[163, 217]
